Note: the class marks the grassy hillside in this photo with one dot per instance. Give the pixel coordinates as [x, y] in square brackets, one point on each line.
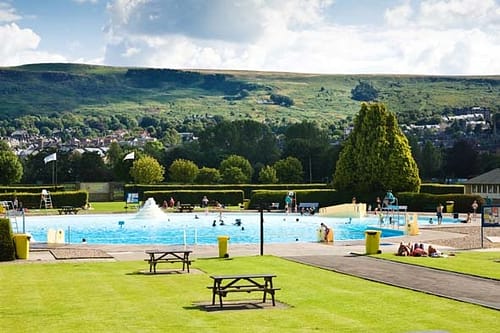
[49, 89]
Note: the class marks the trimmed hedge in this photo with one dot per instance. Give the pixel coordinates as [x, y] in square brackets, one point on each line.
[7, 250]
[30, 188]
[246, 188]
[425, 202]
[230, 197]
[442, 189]
[32, 200]
[422, 202]
[325, 197]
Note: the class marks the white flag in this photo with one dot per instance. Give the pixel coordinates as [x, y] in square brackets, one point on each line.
[51, 157]
[129, 156]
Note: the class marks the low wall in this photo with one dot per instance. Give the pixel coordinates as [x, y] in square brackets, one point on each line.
[357, 210]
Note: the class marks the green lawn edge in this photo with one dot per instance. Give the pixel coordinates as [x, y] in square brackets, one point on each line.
[116, 296]
[479, 263]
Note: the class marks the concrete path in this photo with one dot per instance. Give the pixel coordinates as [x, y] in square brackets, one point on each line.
[461, 287]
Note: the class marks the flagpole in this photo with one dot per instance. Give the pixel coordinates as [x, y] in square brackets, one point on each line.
[53, 173]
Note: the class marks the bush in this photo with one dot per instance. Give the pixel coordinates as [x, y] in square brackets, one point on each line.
[7, 251]
[425, 202]
[246, 188]
[32, 200]
[364, 91]
[325, 197]
[442, 189]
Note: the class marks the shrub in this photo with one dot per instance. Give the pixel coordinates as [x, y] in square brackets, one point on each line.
[7, 251]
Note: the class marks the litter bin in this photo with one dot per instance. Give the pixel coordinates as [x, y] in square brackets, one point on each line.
[449, 206]
[372, 241]
[22, 242]
[223, 240]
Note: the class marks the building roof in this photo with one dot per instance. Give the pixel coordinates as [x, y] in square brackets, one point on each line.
[488, 178]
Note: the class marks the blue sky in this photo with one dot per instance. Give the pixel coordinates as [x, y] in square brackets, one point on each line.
[309, 36]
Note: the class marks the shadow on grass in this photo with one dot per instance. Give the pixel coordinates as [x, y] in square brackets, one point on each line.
[235, 306]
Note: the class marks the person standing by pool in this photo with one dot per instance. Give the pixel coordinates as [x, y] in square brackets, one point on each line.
[378, 205]
[288, 202]
[439, 213]
[475, 205]
[204, 201]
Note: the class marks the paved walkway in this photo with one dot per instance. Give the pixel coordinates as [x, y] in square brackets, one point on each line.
[461, 287]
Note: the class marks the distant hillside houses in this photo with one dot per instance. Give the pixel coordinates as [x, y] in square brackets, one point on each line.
[24, 144]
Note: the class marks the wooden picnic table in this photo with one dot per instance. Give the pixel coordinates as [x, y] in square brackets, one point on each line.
[224, 284]
[171, 256]
[68, 210]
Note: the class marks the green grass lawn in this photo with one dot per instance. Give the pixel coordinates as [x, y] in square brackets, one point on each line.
[486, 264]
[113, 297]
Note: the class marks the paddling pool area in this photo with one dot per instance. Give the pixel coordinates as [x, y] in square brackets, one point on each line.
[192, 229]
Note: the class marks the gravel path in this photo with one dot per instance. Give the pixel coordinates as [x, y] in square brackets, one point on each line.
[470, 237]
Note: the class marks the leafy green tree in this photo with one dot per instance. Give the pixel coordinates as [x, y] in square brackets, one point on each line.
[170, 137]
[364, 91]
[431, 161]
[11, 169]
[307, 142]
[114, 155]
[248, 138]
[462, 161]
[488, 161]
[376, 156]
[233, 175]
[147, 170]
[89, 167]
[155, 149]
[267, 175]
[183, 171]
[227, 171]
[208, 176]
[289, 171]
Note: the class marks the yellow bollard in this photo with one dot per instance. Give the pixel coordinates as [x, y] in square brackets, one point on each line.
[413, 228]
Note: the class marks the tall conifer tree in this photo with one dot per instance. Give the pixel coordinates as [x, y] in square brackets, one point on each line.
[376, 156]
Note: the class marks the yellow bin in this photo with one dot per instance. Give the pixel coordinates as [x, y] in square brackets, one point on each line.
[223, 240]
[22, 242]
[449, 206]
[372, 241]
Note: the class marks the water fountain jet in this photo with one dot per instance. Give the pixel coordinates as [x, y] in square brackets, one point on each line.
[150, 210]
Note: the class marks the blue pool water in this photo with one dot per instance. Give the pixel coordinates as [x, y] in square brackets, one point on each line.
[191, 228]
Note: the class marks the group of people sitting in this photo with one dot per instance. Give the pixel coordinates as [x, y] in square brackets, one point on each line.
[417, 250]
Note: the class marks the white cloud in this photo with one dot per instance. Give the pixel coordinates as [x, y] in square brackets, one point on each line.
[19, 46]
[459, 13]
[7, 13]
[416, 37]
[398, 16]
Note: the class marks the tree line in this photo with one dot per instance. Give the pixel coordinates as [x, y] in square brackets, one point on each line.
[376, 155]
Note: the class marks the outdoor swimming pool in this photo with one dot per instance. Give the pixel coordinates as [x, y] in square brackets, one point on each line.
[191, 228]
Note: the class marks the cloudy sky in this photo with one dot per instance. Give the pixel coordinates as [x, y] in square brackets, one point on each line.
[308, 36]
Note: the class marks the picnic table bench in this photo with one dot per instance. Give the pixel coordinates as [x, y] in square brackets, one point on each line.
[224, 284]
[171, 256]
[183, 207]
[68, 210]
